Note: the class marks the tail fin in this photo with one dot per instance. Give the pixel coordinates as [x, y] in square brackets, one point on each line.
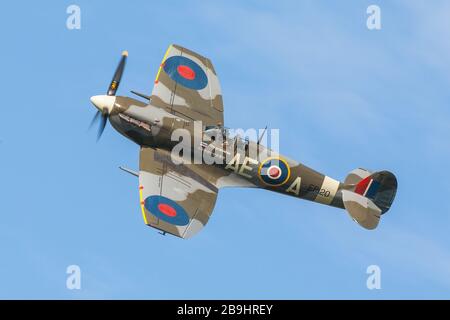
[367, 195]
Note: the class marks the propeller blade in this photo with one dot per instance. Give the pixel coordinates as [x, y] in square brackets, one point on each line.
[117, 75]
[94, 119]
[98, 101]
[101, 128]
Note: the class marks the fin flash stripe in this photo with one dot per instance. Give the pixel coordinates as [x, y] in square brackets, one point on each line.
[367, 187]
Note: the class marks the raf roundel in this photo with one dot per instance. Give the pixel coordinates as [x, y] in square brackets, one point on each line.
[274, 171]
[167, 210]
[186, 72]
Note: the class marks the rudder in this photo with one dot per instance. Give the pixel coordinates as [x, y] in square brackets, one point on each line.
[366, 196]
[380, 187]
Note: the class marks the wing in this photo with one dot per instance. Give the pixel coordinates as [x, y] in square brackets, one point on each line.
[187, 85]
[177, 199]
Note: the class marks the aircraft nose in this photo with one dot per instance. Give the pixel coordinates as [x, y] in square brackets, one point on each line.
[103, 102]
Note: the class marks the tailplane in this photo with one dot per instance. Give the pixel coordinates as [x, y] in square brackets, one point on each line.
[368, 195]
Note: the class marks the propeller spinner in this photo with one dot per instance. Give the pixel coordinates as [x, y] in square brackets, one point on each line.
[105, 103]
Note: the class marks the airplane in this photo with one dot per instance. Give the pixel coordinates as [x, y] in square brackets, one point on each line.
[177, 195]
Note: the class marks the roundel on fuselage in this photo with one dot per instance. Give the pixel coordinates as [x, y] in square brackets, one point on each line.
[274, 171]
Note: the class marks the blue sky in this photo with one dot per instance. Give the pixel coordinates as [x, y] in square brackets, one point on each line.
[342, 96]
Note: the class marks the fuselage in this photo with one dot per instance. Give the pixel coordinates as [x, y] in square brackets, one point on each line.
[151, 126]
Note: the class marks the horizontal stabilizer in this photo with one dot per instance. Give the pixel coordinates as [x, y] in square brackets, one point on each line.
[361, 209]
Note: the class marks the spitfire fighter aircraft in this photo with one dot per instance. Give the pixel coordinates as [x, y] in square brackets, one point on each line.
[177, 195]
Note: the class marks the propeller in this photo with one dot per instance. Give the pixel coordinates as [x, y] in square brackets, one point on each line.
[117, 75]
[101, 127]
[105, 103]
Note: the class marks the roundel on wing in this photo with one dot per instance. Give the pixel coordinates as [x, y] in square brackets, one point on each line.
[186, 72]
[167, 210]
[274, 171]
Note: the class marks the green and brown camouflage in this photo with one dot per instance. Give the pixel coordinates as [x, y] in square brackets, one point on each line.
[178, 190]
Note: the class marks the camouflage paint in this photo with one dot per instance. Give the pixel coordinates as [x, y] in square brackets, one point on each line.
[179, 198]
